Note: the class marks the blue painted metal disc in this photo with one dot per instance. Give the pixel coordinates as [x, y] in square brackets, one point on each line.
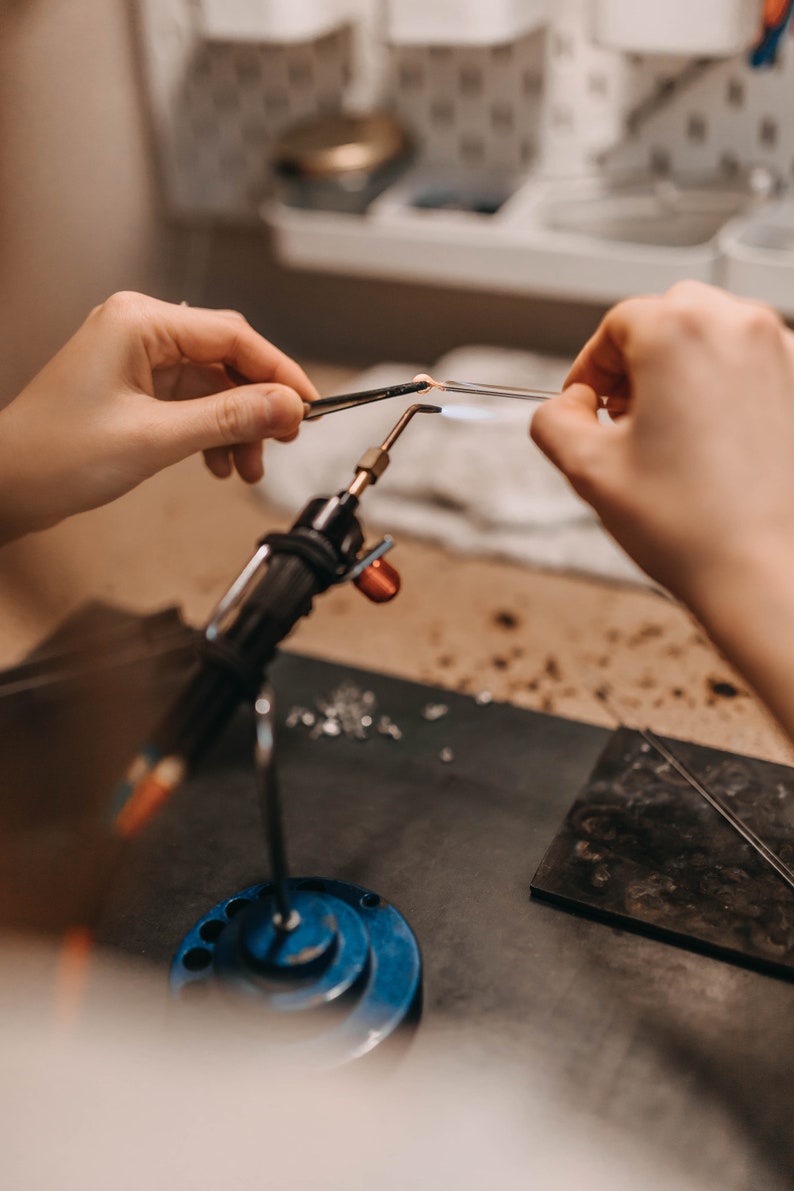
[351, 969]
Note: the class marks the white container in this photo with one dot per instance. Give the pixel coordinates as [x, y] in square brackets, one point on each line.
[709, 28]
[758, 256]
[282, 21]
[462, 22]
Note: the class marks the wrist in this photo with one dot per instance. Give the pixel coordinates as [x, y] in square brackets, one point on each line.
[19, 495]
[736, 578]
[746, 605]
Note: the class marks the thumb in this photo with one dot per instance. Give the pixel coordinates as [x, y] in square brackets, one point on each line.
[246, 414]
[567, 430]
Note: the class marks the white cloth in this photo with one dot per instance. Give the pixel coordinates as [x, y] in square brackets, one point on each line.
[139, 1097]
[478, 487]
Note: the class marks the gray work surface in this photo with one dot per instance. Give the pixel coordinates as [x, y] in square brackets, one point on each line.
[689, 1053]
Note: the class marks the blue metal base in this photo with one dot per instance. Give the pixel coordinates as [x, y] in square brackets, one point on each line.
[349, 974]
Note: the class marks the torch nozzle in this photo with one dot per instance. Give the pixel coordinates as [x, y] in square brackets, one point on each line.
[374, 461]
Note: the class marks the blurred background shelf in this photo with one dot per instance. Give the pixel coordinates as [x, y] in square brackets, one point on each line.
[594, 240]
[717, 28]
[600, 145]
[278, 21]
[462, 22]
[140, 138]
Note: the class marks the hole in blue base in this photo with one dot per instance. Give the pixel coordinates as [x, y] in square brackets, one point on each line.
[211, 931]
[196, 959]
[236, 906]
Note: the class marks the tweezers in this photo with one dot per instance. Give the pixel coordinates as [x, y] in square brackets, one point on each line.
[333, 405]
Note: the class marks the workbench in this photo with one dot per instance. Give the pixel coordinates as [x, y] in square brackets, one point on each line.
[638, 1028]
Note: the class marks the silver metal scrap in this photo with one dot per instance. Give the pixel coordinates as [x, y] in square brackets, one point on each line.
[346, 711]
[301, 715]
[387, 727]
[434, 711]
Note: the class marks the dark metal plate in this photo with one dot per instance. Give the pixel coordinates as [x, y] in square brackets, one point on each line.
[640, 848]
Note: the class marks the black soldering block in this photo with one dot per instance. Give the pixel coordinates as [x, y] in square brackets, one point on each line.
[641, 849]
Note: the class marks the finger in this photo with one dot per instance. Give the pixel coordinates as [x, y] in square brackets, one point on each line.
[651, 329]
[219, 461]
[248, 461]
[205, 337]
[223, 420]
[183, 381]
[617, 405]
[602, 363]
[565, 429]
[171, 333]
[701, 297]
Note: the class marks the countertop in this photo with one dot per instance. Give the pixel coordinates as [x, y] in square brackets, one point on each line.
[535, 638]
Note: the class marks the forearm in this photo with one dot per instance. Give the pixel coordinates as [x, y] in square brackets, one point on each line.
[749, 614]
[19, 498]
[40, 477]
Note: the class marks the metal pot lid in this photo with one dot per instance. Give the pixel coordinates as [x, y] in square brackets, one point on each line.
[340, 143]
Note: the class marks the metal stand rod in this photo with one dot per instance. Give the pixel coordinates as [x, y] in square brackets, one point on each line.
[285, 917]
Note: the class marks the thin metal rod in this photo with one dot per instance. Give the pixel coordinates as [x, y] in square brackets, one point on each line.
[471, 388]
[333, 405]
[714, 800]
[747, 834]
[270, 800]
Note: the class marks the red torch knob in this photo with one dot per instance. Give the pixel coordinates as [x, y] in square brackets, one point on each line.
[380, 582]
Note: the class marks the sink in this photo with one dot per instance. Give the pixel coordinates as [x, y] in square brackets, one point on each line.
[662, 212]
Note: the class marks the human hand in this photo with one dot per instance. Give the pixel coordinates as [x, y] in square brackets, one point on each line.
[142, 385]
[696, 480]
